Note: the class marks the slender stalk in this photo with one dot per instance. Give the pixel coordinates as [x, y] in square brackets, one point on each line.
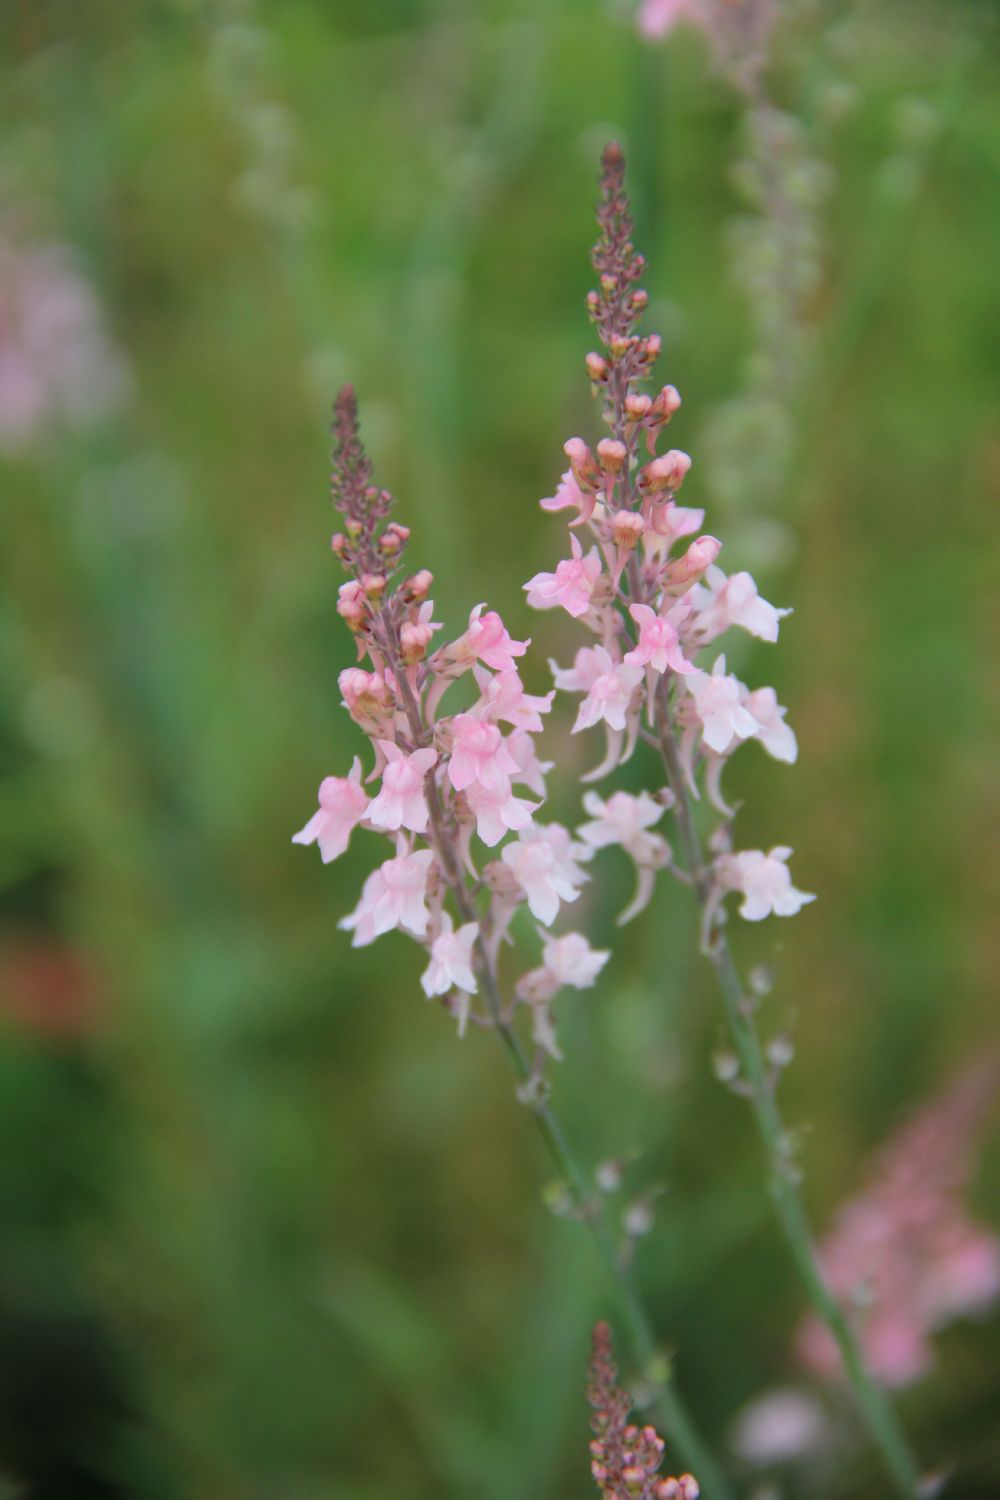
[673, 1414]
[875, 1408]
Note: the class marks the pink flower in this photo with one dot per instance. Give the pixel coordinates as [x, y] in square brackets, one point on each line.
[571, 585]
[721, 602]
[765, 882]
[368, 698]
[394, 895]
[530, 769]
[401, 802]
[503, 697]
[609, 696]
[659, 646]
[479, 754]
[487, 638]
[342, 804]
[719, 706]
[451, 960]
[568, 496]
[777, 737]
[581, 676]
[544, 863]
[498, 812]
[657, 18]
[626, 820]
[572, 961]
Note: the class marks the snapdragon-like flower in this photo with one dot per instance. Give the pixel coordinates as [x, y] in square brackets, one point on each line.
[343, 803]
[764, 881]
[659, 644]
[479, 755]
[723, 602]
[488, 639]
[544, 862]
[609, 694]
[451, 960]
[394, 895]
[571, 586]
[401, 802]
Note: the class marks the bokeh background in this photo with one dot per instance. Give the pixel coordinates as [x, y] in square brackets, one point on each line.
[267, 1229]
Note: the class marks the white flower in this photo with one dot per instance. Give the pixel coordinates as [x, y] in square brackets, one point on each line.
[721, 602]
[765, 882]
[717, 701]
[571, 960]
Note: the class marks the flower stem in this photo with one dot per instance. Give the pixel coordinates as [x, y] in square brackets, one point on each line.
[875, 1408]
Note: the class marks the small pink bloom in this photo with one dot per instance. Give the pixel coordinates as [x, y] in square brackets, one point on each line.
[777, 737]
[765, 882]
[530, 769]
[672, 521]
[625, 819]
[498, 812]
[572, 961]
[665, 473]
[610, 695]
[488, 640]
[571, 585]
[544, 863]
[368, 698]
[568, 496]
[394, 895]
[401, 802]
[698, 558]
[503, 697]
[717, 701]
[342, 804]
[479, 754]
[581, 676]
[451, 960]
[721, 602]
[659, 646]
[657, 18]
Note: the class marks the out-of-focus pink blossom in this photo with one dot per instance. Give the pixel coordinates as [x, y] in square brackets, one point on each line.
[626, 820]
[498, 812]
[765, 883]
[572, 961]
[530, 769]
[401, 802]
[570, 586]
[343, 802]
[394, 895]
[568, 495]
[658, 646]
[903, 1257]
[502, 696]
[544, 861]
[657, 18]
[722, 602]
[719, 705]
[777, 737]
[450, 964]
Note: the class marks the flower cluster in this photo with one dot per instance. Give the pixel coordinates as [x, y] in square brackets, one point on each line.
[447, 789]
[650, 592]
[57, 364]
[625, 1459]
[904, 1257]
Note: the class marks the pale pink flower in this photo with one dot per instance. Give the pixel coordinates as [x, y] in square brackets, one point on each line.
[610, 694]
[718, 704]
[765, 882]
[394, 895]
[343, 802]
[670, 521]
[626, 820]
[568, 496]
[777, 737]
[479, 754]
[544, 862]
[530, 769]
[657, 18]
[572, 961]
[498, 812]
[450, 964]
[658, 646]
[721, 602]
[581, 676]
[570, 586]
[487, 638]
[503, 697]
[368, 698]
[778, 1426]
[401, 802]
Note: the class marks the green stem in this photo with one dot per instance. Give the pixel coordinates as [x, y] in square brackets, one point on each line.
[875, 1408]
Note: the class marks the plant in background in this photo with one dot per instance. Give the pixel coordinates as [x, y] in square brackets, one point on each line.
[474, 866]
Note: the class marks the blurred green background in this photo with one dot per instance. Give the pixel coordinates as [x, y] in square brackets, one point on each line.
[268, 1229]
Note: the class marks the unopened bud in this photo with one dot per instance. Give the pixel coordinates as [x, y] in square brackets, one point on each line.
[627, 527]
[351, 604]
[650, 348]
[609, 1176]
[780, 1051]
[597, 368]
[687, 569]
[414, 640]
[726, 1066]
[639, 299]
[666, 403]
[637, 407]
[665, 473]
[638, 1217]
[338, 545]
[393, 539]
[585, 469]
[419, 586]
[373, 585]
[612, 455]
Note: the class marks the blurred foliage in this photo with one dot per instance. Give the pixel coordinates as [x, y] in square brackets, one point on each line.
[268, 1229]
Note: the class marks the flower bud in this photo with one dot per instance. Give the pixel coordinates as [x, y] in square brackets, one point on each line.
[687, 569]
[637, 407]
[639, 300]
[627, 527]
[338, 545]
[666, 403]
[373, 585]
[666, 473]
[393, 539]
[612, 455]
[419, 586]
[585, 470]
[367, 698]
[649, 349]
[597, 368]
[414, 640]
[352, 605]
